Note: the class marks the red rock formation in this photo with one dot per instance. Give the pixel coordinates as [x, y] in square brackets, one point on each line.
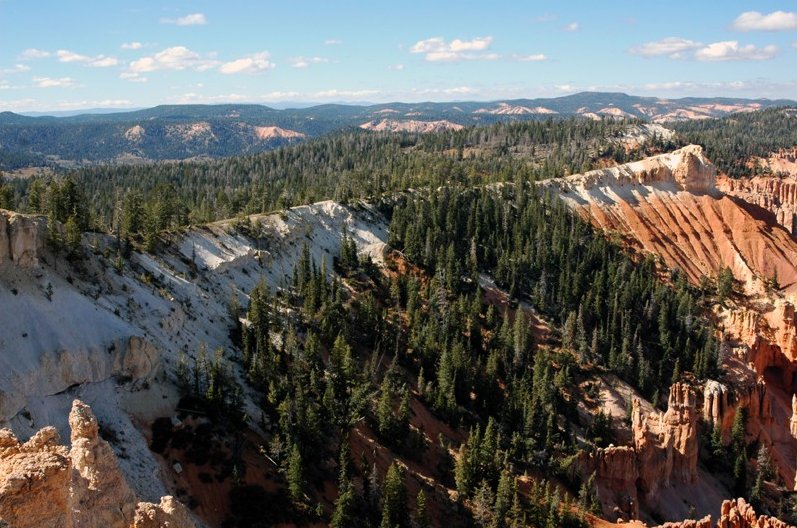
[170, 513]
[734, 514]
[45, 484]
[666, 444]
[664, 451]
[616, 473]
[773, 193]
[739, 514]
[100, 494]
[720, 404]
[34, 481]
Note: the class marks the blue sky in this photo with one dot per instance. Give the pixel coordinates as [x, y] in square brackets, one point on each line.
[65, 55]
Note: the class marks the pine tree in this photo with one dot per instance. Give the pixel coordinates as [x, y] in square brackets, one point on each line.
[394, 499]
[421, 515]
[295, 475]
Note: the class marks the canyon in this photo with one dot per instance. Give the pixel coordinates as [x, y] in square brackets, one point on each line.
[675, 207]
[112, 336]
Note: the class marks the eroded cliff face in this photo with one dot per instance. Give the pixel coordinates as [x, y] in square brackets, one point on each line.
[776, 194]
[664, 452]
[616, 470]
[666, 444]
[45, 484]
[21, 238]
[673, 206]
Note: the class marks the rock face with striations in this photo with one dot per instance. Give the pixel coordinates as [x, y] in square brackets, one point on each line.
[775, 194]
[21, 238]
[666, 444]
[46, 484]
[616, 473]
[664, 451]
[721, 403]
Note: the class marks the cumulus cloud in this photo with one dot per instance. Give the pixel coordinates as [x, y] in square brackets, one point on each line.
[305, 62]
[436, 49]
[33, 53]
[174, 58]
[536, 57]
[100, 61]
[396, 67]
[252, 64]
[673, 47]
[775, 21]
[730, 50]
[194, 19]
[572, 27]
[49, 82]
[132, 45]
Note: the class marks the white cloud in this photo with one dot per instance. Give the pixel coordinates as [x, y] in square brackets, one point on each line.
[456, 90]
[775, 21]
[673, 47]
[438, 50]
[132, 46]
[133, 77]
[396, 67]
[536, 57]
[49, 82]
[17, 68]
[344, 94]
[546, 17]
[730, 50]
[252, 64]
[33, 53]
[333, 42]
[305, 62]
[278, 96]
[100, 61]
[194, 19]
[571, 27]
[174, 58]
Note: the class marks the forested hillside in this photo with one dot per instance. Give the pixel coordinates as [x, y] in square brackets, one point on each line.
[732, 141]
[342, 166]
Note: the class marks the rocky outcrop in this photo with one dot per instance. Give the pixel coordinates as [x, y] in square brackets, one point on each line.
[100, 495]
[170, 513]
[5, 245]
[616, 472]
[739, 514]
[686, 169]
[721, 403]
[34, 481]
[134, 358]
[46, 484]
[24, 236]
[735, 513]
[775, 194]
[664, 451]
[666, 444]
[410, 125]
[793, 419]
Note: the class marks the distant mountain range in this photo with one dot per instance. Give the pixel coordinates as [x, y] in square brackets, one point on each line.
[179, 132]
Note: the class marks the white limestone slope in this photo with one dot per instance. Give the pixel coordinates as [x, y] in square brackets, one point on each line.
[112, 338]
